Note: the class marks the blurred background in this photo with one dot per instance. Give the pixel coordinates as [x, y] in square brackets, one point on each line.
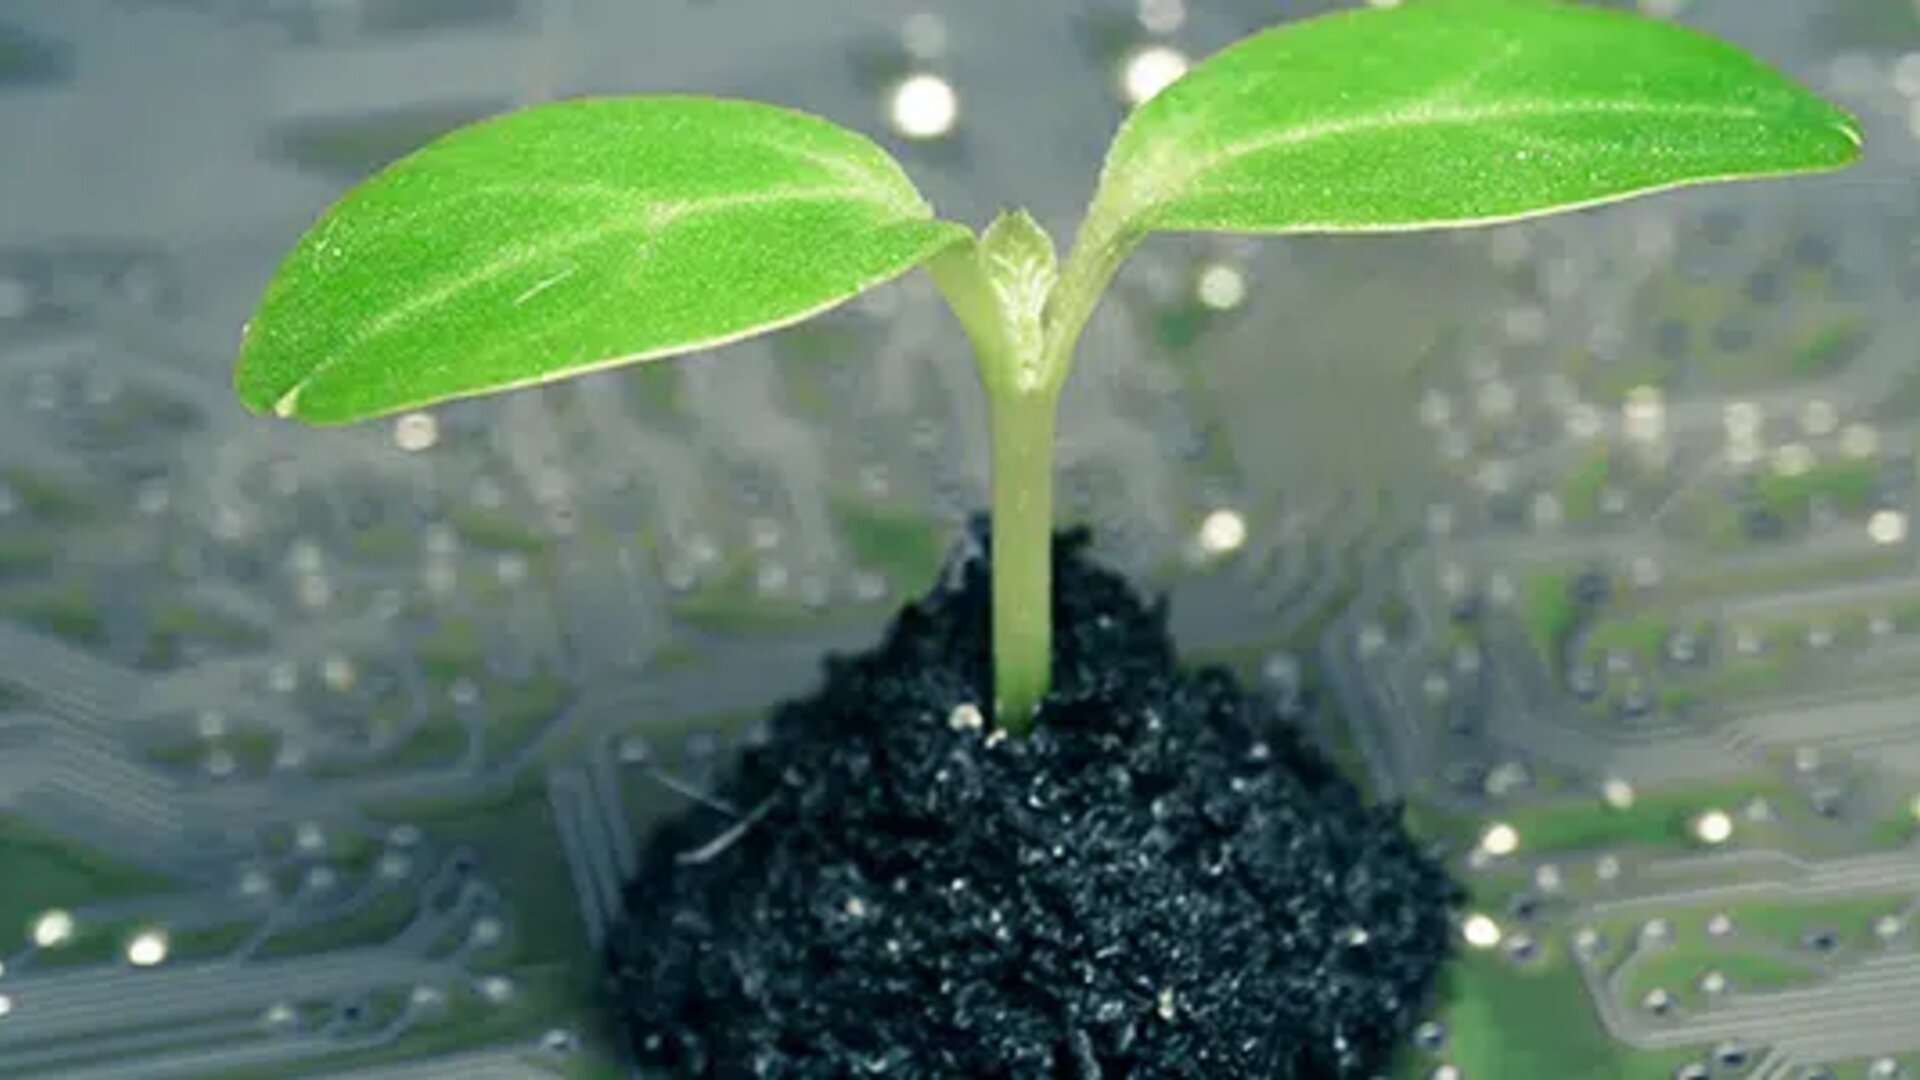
[324, 753]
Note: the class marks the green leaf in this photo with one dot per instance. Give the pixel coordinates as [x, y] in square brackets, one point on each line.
[1455, 112]
[572, 237]
[1021, 267]
[998, 288]
[1020, 259]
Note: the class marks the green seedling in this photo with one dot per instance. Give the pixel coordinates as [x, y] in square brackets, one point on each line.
[584, 234]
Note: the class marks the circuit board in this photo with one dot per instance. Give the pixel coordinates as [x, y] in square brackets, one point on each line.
[324, 753]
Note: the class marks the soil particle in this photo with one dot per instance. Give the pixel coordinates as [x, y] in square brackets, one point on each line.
[1162, 881]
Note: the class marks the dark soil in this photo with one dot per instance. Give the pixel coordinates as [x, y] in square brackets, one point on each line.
[1163, 881]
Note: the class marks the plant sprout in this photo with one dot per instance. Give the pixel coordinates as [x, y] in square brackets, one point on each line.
[585, 234]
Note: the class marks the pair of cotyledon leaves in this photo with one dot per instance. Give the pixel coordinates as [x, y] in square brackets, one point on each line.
[584, 234]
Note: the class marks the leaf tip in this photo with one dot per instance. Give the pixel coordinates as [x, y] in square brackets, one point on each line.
[1851, 129]
[1845, 144]
[263, 398]
[287, 405]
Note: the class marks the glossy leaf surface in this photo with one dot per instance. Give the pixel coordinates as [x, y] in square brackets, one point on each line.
[572, 237]
[1454, 112]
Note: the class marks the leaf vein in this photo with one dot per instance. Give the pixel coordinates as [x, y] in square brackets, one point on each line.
[1425, 113]
[650, 218]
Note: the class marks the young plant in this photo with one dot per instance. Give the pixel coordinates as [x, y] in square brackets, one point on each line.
[585, 234]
